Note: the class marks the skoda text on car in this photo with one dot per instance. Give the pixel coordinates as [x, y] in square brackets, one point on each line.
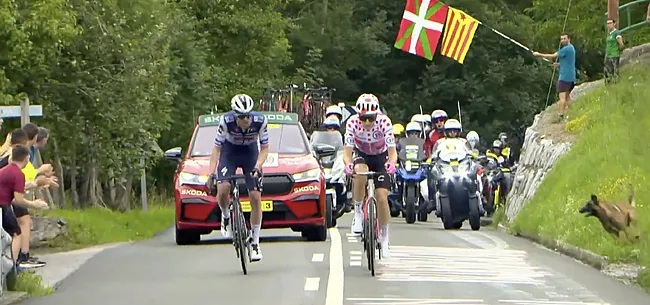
[293, 193]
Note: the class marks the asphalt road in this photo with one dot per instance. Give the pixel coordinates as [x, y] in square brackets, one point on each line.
[428, 266]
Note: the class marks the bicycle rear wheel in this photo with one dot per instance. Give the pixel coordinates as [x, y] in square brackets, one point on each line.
[372, 234]
[240, 235]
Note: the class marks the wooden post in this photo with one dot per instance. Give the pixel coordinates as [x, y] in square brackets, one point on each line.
[612, 10]
[24, 111]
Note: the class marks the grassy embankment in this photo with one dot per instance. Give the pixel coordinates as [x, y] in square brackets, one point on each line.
[97, 226]
[612, 149]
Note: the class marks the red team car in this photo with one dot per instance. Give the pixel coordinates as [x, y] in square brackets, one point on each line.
[293, 194]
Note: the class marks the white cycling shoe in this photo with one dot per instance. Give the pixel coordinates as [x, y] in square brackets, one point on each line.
[385, 249]
[225, 228]
[256, 253]
[357, 223]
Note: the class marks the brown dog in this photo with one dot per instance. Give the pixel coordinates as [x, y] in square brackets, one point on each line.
[615, 217]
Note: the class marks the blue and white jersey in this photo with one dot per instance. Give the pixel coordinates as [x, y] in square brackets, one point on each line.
[228, 131]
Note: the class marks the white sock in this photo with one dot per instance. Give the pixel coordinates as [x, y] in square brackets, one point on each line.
[357, 208]
[225, 212]
[256, 234]
[384, 232]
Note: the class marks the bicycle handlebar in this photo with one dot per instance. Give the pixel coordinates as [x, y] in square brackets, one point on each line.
[367, 174]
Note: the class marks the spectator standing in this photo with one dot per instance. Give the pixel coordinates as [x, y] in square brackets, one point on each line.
[566, 60]
[12, 194]
[614, 45]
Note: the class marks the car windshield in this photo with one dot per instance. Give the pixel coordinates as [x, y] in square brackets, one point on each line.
[283, 139]
[333, 138]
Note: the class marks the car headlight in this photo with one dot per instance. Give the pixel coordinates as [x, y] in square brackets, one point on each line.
[192, 179]
[308, 175]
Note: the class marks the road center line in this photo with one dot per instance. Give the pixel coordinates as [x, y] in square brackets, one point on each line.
[312, 283]
[317, 257]
[336, 277]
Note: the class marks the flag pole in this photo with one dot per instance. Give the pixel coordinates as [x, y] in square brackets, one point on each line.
[511, 40]
[460, 117]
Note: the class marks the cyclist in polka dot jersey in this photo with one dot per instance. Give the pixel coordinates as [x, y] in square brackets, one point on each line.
[370, 146]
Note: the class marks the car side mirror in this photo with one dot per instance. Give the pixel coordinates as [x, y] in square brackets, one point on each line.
[173, 154]
[324, 150]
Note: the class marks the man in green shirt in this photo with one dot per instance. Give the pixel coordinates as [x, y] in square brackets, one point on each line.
[614, 45]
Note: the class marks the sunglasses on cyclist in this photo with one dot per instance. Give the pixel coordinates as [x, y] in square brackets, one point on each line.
[440, 120]
[243, 116]
[368, 117]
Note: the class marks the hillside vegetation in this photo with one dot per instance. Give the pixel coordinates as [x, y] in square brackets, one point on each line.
[611, 150]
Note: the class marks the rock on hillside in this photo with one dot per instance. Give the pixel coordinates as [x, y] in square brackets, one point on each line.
[546, 141]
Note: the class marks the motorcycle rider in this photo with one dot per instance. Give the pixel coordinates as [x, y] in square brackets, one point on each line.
[332, 124]
[439, 117]
[503, 137]
[452, 131]
[413, 129]
[496, 153]
[473, 140]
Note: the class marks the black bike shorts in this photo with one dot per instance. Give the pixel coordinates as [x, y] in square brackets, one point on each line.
[233, 157]
[375, 163]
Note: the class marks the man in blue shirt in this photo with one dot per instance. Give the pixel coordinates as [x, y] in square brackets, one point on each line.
[566, 60]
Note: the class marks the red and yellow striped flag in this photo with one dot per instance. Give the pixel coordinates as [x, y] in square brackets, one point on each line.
[459, 33]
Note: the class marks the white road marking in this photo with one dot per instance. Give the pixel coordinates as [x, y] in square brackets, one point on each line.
[355, 253]
[336, 277]
[407, 301]
[355, 258]
[438, 264]
[351, 234]
[312, 283]
[317, 257]
[352, 240]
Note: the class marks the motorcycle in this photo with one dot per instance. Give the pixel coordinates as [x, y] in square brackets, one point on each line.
[337, 195]
[457, 196]
[411, 172]
[495, 178]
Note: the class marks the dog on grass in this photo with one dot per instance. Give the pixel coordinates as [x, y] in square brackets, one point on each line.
[618, 219]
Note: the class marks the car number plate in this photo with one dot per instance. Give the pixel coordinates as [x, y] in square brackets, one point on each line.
[267, 206]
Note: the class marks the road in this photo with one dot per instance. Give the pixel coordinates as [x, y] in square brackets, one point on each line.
[428, 266]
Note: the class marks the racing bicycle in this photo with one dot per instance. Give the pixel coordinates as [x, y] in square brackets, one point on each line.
[241, 234]
[370, 235]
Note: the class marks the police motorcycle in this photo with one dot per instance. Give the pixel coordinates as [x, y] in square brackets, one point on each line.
[337, 195]
[412, 170]
[457, 196]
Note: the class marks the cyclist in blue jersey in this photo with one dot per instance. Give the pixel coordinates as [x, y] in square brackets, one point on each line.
[236, 146]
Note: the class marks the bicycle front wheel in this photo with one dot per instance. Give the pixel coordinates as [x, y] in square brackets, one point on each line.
[372, 233]
[240, 235]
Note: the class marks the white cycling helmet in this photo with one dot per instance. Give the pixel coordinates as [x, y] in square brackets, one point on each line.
[473, 138]
[332, 122]
[367, 104]
[413, 126]
[242, 104]
[453, 124]
[333, 110]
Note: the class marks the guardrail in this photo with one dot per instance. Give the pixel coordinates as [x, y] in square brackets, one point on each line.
[628, 14]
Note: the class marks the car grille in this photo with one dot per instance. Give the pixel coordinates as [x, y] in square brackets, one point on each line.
[274, 184]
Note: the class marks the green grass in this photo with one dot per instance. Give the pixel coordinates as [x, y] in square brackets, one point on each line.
[96, 226]
[31, 283]
[612, 149]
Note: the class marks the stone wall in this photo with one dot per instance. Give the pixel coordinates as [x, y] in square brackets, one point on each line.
[544, 144]
[539, 154]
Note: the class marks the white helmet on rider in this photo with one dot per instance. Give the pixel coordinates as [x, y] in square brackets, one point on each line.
[452, 125]
[413, 127]
[497, 144]
[242, 104]
[334, 109]
[439, 117]
[473, 138]
[367, 104]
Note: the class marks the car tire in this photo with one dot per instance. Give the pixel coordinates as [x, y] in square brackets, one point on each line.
[316, 233]
[186, 237]
[330, 219]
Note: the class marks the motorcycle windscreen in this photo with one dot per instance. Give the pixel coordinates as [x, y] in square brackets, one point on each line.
[333, 138]
[412, 149]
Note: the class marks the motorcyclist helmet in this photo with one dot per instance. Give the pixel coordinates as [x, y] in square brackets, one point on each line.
[452, 128]
[439, 117]
[334, 110]
[413, 129]
[473, 138]
[398, 129]
[503, 137]
[417, 118]
[332, 123]
[368, 106]
[497, 144]
[242, 104]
